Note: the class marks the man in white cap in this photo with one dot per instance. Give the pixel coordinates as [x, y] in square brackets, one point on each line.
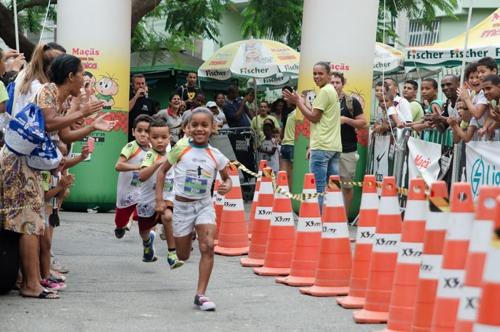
[219, 116]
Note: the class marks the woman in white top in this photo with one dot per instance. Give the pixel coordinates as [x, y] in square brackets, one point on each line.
[173, 117]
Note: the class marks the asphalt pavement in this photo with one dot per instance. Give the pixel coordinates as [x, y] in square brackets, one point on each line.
[109, 288]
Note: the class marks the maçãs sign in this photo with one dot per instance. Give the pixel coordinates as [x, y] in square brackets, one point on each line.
[423, 159]
[483, 164]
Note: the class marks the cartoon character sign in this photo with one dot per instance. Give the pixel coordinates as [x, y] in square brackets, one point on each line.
[106, 88]
[89, 85]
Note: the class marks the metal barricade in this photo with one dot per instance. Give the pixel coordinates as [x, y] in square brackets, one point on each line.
[239, 143]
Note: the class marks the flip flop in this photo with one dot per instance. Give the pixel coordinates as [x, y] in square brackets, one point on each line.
[45, 294]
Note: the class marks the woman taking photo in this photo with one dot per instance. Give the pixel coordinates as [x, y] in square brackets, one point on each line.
[22, 193]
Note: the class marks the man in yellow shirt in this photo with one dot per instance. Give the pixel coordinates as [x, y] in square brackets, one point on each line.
[258, 120]
[324, 115]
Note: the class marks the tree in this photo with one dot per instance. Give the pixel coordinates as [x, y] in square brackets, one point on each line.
[282, 19]
[185, 21]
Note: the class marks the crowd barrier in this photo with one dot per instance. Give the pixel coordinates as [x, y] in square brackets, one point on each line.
[389, 155]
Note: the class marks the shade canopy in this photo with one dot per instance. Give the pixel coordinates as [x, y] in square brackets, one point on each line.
[483, 41]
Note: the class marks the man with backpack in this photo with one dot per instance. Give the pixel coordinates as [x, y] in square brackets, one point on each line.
[351, 118]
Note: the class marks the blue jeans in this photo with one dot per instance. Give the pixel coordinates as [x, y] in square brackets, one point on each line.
[323, 164]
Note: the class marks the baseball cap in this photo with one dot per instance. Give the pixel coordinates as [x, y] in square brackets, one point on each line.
[211, 104]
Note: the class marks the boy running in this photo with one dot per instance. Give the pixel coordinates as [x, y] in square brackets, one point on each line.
[129, 164]
[159, 136]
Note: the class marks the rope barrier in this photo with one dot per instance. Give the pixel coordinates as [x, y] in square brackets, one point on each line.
[303, 197]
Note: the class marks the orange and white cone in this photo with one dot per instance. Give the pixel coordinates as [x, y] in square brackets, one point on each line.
[335, 261]
[455, 250]
[233, 234]
[307, 240]
[363, 249]
[218, 201]
[404, 289]
[279, 249]
[435, 232]
[263, 214]
[482, 229]
[384, 257]
[488, 319]
[262, 165]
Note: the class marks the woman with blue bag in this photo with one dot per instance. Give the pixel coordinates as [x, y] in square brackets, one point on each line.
[22, 193]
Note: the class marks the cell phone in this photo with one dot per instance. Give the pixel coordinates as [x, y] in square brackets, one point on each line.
[90, 142]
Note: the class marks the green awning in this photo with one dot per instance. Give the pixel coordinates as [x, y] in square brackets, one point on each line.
[162, 60]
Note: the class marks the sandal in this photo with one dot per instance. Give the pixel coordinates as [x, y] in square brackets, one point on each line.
[45, 294]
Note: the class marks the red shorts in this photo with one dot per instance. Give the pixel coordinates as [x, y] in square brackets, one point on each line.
[122, 215]
[148, 223]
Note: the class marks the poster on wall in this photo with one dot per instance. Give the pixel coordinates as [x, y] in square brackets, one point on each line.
[482, 164]
[330, 33]
[423, 160]
[104, 49]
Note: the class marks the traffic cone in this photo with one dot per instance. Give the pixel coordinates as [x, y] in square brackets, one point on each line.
[363, 249]
[307, 239]
[218, 201]
[404, 289]
[335, 261]
[279, 247]
[482, 229]
[263, 213]
[233, 234]
[435, 232]
[384, 256]
[456, 247]
[262, 165]
[488, 319]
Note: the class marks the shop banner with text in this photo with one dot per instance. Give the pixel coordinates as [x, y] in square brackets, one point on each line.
[423, 160]
[482, 164]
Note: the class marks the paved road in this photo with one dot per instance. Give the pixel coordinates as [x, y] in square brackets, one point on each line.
[111, 289]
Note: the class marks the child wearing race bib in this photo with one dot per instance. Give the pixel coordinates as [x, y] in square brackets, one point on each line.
[195, 166]
[159, 136]
[128, 166]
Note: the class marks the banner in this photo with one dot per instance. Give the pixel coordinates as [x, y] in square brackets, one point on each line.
[482, 164]
[104, 48]
[423, 160]
[331, 33]
[381, 157]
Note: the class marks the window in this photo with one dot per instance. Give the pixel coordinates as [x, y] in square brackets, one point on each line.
[420, 34]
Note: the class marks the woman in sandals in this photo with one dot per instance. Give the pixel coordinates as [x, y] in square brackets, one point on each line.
[22, 193]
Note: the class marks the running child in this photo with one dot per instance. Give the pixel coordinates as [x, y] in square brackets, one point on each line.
[195, 167]
[159, 136]
[129, 164]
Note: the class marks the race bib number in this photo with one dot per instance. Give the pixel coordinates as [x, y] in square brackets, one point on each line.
[169, 185]
[195, 185]
[135, 179]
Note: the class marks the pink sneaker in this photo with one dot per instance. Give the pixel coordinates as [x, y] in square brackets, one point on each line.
[51, 285]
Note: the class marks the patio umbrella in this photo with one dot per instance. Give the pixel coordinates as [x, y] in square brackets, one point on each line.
[483, 41]
[254, 58]
[387, 59]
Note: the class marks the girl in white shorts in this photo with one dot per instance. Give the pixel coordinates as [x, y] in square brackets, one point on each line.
[195, 166]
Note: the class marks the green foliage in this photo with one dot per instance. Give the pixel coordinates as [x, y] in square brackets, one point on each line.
[31, 19]
[186, 20]
[274, 19]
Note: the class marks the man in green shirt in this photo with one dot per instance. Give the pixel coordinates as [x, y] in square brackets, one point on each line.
[324, 115]
[410, 90]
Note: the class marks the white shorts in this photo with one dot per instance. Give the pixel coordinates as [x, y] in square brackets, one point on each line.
[189, 214]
